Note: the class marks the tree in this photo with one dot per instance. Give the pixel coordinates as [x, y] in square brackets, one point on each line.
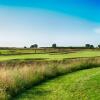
[98, 46]
[87, 45]
[54, 45]
[25, 47]
[34, 46]
[91, 46]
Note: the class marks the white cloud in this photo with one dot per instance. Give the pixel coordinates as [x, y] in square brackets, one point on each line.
[97, 30]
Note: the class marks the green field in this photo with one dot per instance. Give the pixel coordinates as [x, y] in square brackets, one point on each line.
[81, 85]
[21, 70]
[19, 51]
[14, 51]
[52, 56]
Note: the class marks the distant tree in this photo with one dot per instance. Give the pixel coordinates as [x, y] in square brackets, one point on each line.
[34, 46]
[87, 45]
[54, 45]
[25, 47]
[91, 46]
[98, 46]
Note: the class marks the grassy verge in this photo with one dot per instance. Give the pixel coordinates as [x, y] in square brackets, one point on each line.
[80, 85]
[15, 80]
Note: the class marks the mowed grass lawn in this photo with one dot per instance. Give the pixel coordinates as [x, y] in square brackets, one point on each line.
[52, 56]
[81, 85]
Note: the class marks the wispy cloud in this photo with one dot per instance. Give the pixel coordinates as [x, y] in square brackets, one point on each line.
[97, 30]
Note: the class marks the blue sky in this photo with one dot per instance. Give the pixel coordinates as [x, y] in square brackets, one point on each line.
[65, 22]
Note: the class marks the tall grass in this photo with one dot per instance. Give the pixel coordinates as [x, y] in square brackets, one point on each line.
[15, 80]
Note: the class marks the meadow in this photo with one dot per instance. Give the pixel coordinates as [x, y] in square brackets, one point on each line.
[23, 71]
[48, 56]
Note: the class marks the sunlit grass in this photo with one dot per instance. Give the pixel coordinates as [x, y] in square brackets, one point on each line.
[14, 81]
[56, 56]
[81, 85]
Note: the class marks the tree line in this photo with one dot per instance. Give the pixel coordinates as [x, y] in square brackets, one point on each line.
[89, 46]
